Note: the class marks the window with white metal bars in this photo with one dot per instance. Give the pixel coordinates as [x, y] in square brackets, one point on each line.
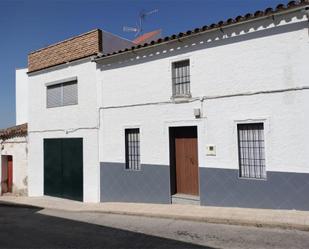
[62, 94]
[132, 147]
[251, 150]
[181, 78]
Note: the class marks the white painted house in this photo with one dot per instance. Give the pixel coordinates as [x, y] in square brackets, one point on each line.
[14, 160]
[14, 143]
[216, 115]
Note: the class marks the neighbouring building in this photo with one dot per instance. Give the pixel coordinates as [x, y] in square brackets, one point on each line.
[216, 115]
[14, 159]
[14, 143]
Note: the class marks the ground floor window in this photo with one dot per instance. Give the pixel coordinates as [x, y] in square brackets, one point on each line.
[251, 150]
[132, 142]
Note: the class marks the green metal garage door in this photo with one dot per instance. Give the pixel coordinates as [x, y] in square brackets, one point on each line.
[63, 168]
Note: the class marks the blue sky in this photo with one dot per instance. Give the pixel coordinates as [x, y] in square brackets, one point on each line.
[31, 24]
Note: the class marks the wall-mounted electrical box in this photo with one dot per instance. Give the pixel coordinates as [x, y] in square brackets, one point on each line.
[197, 112]
[210, 150]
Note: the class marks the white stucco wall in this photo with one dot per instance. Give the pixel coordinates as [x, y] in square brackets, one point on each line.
[285, 129]
[244, 59]
[261, 56]
[69, 121]
[21, 94]
[267, 59]
[17, 148]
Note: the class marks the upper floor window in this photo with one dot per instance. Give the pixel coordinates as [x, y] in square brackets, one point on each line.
[251, 150]
[62, 94]
[181, 78]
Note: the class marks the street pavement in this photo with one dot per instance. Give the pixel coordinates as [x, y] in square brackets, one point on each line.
[274, 218]
[28, 227]
[198, 233]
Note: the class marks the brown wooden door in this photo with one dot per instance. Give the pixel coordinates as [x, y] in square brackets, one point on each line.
[7, 175]
[4, 177]
[10, 174]
[186, 160]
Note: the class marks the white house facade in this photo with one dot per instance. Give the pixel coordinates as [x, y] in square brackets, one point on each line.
[14, 144]
[216, 116]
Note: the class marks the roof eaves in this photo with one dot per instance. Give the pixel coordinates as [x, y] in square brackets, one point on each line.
[280, 9]
[62, 63]
[15, 131]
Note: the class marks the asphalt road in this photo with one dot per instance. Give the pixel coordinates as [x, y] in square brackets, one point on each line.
[26, 227]
[198, 233]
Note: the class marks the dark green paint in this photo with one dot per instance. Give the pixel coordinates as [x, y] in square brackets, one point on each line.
[63, 168]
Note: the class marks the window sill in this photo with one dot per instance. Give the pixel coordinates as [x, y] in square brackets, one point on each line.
[181, 98]
[60, 106]
[252, 178]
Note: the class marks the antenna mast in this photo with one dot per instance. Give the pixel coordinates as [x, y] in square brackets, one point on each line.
[139, 27]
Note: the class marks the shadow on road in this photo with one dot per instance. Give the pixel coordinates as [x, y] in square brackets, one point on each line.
[22, 227]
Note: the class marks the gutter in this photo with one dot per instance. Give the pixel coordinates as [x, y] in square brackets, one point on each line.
[179, 39]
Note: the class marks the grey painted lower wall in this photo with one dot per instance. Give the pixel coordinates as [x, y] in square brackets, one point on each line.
[281, 190]
[218, 187]
[150, 185]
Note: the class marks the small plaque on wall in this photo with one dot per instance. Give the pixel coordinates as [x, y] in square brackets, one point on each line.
[210, 150]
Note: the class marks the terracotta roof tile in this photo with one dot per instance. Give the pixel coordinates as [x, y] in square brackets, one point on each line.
[15, 131]
[147, 36]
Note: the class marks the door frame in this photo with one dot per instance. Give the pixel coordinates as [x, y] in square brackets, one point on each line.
[172, 155]
[7, 162]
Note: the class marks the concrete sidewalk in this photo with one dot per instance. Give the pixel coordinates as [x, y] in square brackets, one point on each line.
[287, 219]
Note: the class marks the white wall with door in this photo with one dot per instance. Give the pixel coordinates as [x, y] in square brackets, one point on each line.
[77, 120]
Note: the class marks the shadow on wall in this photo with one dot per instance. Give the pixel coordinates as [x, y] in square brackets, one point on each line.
[29, 229]
[224, 36]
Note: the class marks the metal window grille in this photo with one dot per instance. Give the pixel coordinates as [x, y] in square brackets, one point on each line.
[181, 78]
[251, 148]
[62, 94]
[132, 142]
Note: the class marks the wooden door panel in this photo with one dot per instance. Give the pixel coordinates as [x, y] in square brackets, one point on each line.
[72, 168]
[186, 160]
[4, 178]
[63, 168]
[52, 167]
[10, 174]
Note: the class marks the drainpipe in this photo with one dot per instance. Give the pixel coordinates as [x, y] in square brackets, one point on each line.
[307, 12]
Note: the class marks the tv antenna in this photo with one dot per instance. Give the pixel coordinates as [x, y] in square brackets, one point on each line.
[139, 26]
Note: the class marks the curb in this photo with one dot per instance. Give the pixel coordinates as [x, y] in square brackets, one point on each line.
[214, 220]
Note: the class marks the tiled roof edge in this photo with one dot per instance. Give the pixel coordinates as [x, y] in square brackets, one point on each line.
[15, 131]
[281, 8]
